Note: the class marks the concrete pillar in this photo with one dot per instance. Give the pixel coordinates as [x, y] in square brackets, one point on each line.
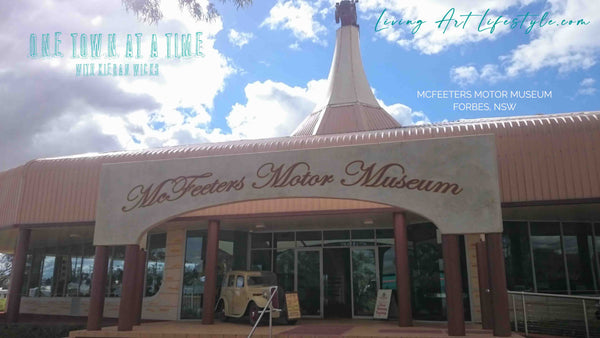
[402, 270]
[498, 284]
[485, 295]
[97, 294]
[139, 286]
[16, 277]
[453, 281]
[128, 289]
[210, 272]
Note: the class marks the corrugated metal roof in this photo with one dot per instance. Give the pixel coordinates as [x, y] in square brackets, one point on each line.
[541, 157]
[11, 183]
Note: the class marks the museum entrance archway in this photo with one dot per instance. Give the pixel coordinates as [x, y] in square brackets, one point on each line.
[336, 262]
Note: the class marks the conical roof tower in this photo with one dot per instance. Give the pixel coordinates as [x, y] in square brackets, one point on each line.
[350, 105]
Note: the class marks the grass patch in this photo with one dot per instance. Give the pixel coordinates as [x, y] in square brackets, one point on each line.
[37, 330]
[2, 304]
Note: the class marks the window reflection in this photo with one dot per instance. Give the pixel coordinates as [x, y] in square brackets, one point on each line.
[59, 265]
[157, 244]
[548, 257]
[115, 271]
[193, 275]
[517, 255]
[578, 242]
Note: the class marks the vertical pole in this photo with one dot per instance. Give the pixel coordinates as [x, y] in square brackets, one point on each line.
[498, 284]
[485, 297]
[585, 319]
[453, 281]
[515, 313]
[128, 292]
[524, 314]
[210, 285]
[402, 270]
[96, 310]
[139, 286]
[16, 277]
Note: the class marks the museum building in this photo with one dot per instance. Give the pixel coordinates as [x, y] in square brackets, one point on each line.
[350, 203]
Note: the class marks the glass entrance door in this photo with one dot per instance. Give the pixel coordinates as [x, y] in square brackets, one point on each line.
[365, 281]
[309, 270]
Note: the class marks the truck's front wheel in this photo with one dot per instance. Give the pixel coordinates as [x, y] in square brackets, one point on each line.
[220, 312]
[253, 313]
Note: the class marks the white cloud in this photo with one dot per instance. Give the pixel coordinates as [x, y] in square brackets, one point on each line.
[405, 115]
[587, 82]
[298, 17]
[566, 48]
[274, 108]
[491, 73]
[102, 114]
[467, 75]
[586, 87]
[82, 115]
[464, 75]
[239, 38]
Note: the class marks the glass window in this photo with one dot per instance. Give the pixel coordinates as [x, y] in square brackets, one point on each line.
[363, 237]
[157, 244]
[284, 267]
[579, 251]
[262, 240]
[364, 282]
[548, 257]
[232, 252]
[336, 238]
[597, 254]
[193, 275]
[385, 236]
[517, 256]
[115, 271]
[308, 238]
[81, 268]
[47, 276]
[59, 262]
[265, 279]
[27, 275]
[284, 240]
[231, 280]
[240, 282]
[260, 260]
[33, 288]
[426, 269]
[387, 267]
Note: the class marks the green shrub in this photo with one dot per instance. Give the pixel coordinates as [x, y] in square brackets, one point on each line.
[2, 304]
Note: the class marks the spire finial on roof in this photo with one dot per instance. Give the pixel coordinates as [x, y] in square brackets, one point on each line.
[349, 104]
[346, 12]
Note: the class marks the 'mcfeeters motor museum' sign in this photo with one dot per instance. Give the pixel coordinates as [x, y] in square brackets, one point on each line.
[451, 181]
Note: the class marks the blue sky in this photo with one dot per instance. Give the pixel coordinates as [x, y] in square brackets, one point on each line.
[265, 68]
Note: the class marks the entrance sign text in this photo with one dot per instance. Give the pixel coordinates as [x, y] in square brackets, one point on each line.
[452, 182]
[390, 175]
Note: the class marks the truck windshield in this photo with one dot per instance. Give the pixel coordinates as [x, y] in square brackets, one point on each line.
[266, 279]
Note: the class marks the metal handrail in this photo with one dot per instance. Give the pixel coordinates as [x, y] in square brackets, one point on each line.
[549, 295]
[269, 305]
[542, 294]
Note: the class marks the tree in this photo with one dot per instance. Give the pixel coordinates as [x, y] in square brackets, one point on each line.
[149, 10]
[5, 269]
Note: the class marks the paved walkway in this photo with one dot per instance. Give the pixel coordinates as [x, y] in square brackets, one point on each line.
[304, 328]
